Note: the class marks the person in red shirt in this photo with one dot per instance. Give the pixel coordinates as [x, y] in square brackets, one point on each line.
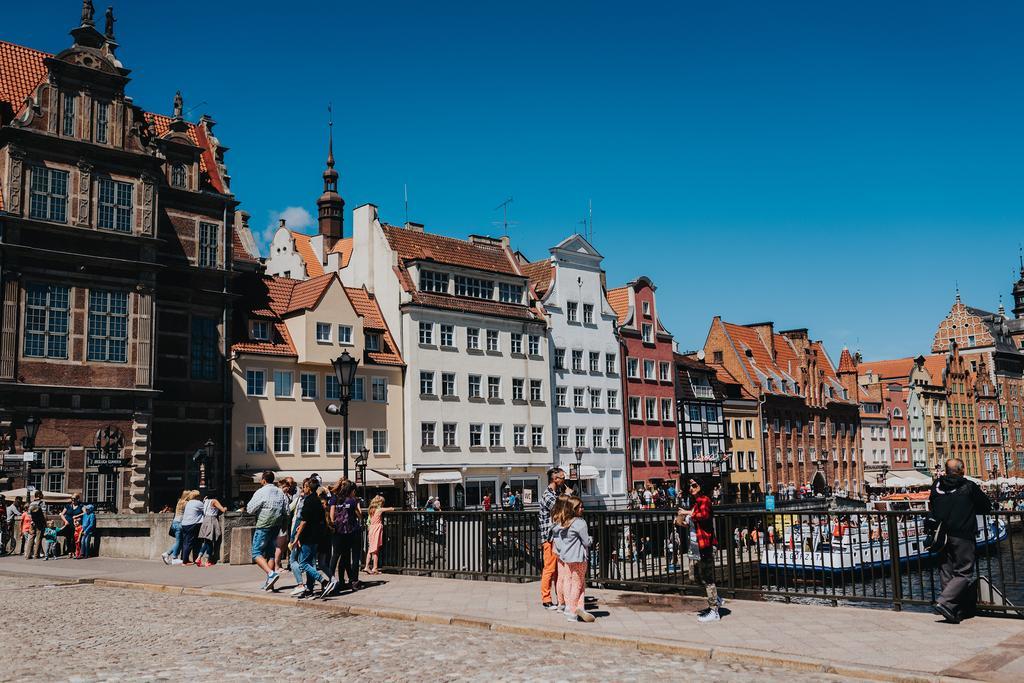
[702, 535]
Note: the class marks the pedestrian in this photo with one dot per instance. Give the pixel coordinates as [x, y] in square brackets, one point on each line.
[26, 529]
[702, 549]
[648, 496]
[955, 502]
[37, 515]
[50, 536]
[487, 502]
[210, 530]
[571, 543]
[513, 503]
[345, 516]
[270, 505]
[76, 551]
[309, 534]
[549, 574]
[175, 530]
[191, 520]
[67, 516]
[376, 539]
[281, 552]
[88, 521]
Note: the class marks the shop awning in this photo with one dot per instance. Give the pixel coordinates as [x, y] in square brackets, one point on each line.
[907, 478]
[394, 475]
[442, 477]
[48, 496]
[588, 472]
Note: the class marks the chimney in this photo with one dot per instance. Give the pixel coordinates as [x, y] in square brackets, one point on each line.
[766, 331]
[415, 227]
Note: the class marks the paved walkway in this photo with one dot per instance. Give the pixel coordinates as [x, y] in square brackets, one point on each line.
[856, 642]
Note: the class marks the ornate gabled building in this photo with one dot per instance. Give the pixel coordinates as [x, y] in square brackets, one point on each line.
[119, 240]
[809, 412]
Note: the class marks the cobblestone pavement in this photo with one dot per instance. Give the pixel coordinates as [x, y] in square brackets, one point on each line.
[143, 636]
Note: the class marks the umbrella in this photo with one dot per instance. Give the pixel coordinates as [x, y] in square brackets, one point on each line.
[48, 496]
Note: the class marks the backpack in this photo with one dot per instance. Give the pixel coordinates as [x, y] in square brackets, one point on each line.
[936, 538]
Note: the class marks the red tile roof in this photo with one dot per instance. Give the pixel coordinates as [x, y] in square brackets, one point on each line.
[413, 245]
[541, 275]
[302, 245]
[466, 305]
[344, 248]
[21, 70]
[618, 299]
[725, 377]
[896, 369]
[935, 365]
[846, 363]
[366, 306]
[238, 250]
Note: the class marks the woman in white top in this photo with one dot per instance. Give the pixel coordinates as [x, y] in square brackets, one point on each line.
[191, 519]
[210, 529]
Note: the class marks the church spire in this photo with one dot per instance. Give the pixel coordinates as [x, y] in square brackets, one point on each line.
[330, 206]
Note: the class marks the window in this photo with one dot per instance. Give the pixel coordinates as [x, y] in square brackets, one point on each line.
[255, 438]
[307, 440]
[55, 460]
[323, 333]
[426, 383]
[647, 307]
[560, 359]
[536, 390]
[613, 399]
[449, 434]
[588, 314]
[259, 330]
[537, 436]
[476, 436]
[307, 385]
[632, 368]
[495, 436]
[595, 361]
[711, 412]
[666, 409]
[517, 389]
[474, 386]
[750, 429]
[48, 195]
[651, 408]
[577, 398]
[654, 449]
[516, 343]
[717, 357]
[473, 338]
[613, 437]
[426, 333]
[595, 399]
[563, 437]
[669, 448]
[663, 372]
[255, 383]
[751, 461]
[447, 383]
[102, 121]
[647, 332]
[108, 326]
[282, 439]
[510, 294]
[518, 436]
[609, 364]
[570, 311]
[46, 321]
[332, 390]
[372, 341]
[473, 287]
[115, 205]
[636, 449]
[648, 369]
[534, 344]
[68, 126]
[55, 482]
[380, 441]
[205, 348]
[208, 245]
[577, 361]
[333, 441]
[378, 389]
[179, 176]
[634, 408]
[492, 340]
[283, 384]
[427, 430]
[433, 281]
[560, 397]
[92, 486]
[581, 437]
[597, 437]
[494, 387]
[448, 336]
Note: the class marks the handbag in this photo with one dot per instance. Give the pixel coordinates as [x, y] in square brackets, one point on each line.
[170, 531]
[936, 537]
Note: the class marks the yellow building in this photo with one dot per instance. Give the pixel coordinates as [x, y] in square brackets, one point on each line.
[283, 382]
[741, 412]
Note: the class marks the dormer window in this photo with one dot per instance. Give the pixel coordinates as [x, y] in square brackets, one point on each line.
[373, 342]
[179, 176]
[259, 330]
[647, 308]
[433, 281]
[510, 294]
[474, 287]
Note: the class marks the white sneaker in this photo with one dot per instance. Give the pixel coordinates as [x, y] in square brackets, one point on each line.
[299, 590]
[272, 578]
[708, 615]
[166, 558]
[328, 589]
[177, 561]
[560, 608]
[571, 617]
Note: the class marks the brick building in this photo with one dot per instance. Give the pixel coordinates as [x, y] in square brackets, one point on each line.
[116, 259]
[809, 413]
[647, 358]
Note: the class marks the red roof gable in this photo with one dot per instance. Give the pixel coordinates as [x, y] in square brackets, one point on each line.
[412, 245]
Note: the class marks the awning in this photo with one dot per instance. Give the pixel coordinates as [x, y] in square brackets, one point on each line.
[908, 478]
[588, 472]
[48, 496]
[443, 477]
[395, 475]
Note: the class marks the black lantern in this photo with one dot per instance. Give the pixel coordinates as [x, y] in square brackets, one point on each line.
[576, 466]
[362, 459]
[28, 442]
[345, 370]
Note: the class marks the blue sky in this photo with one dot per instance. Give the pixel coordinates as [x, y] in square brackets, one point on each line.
[837, 166]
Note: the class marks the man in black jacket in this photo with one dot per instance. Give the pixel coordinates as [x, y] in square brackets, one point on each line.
[956, 501]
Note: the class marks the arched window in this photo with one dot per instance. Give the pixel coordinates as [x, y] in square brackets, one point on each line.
[179, 176]
[897, 413]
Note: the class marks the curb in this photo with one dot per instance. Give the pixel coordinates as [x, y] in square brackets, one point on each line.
[681, 648]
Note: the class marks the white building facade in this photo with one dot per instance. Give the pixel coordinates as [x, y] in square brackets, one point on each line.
[582, 353]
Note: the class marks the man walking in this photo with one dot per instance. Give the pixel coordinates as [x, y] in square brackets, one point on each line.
[270, 504]
[556, 487]
[955, 501]
[702, 548]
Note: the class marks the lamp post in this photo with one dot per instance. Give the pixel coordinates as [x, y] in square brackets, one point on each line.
[345, 370]
[28, 444]
[881, 477]
[362, 459]
[578, 489]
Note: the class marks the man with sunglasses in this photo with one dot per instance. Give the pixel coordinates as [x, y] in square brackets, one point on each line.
[702, 548]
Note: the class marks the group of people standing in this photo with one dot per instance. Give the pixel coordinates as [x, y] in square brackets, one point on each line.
[196, 529]
[70, 534]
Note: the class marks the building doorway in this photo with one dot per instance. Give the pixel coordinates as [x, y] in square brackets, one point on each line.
[818, 484]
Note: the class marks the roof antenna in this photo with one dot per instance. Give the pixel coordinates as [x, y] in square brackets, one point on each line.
[1020, 257]
[590, 218]
[505, 222]
[405, 188]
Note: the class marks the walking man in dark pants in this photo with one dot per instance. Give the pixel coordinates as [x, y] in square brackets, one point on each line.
[956, 501]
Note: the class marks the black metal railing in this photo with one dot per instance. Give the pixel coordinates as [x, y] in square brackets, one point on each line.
[836, 557]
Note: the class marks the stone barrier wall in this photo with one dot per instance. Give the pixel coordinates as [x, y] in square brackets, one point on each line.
[145, 536]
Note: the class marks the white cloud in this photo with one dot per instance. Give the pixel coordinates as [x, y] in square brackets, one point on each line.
[295, 217]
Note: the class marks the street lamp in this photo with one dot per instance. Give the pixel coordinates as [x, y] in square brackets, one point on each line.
[28, 442]
[345, 370]
[362, 459]
[881, 477]
[576, 469]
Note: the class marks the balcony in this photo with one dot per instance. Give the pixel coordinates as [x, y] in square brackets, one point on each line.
[703, 391]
